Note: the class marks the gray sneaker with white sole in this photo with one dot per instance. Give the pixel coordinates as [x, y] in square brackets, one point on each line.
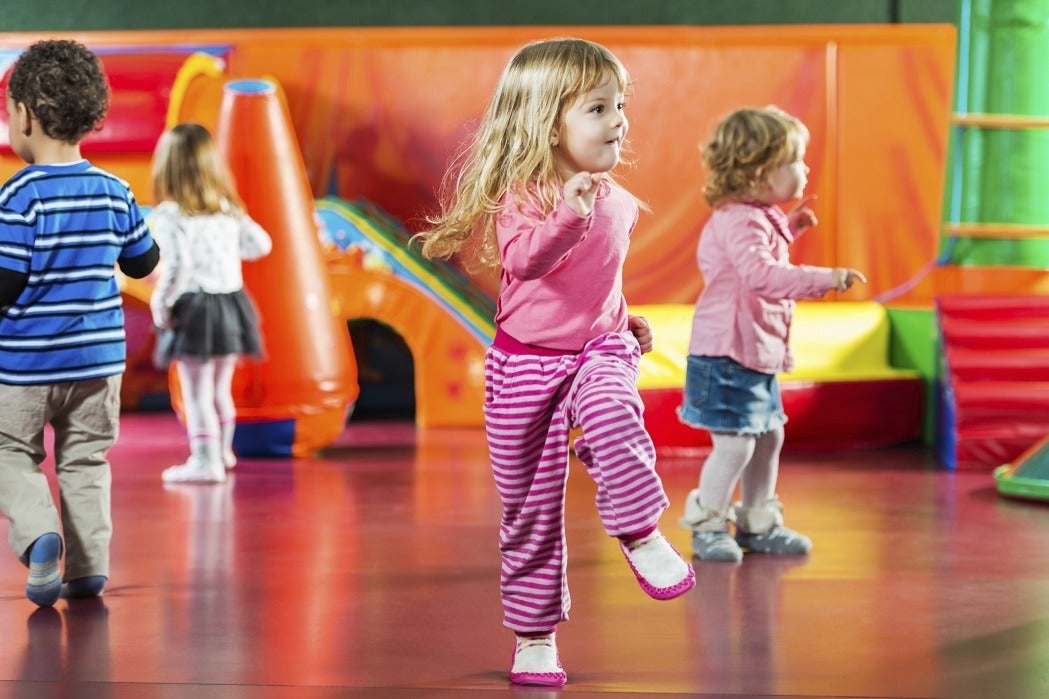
[716, 546]
[779, 541]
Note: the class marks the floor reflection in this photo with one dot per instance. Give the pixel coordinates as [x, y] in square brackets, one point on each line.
[69, 645]
[372, 569]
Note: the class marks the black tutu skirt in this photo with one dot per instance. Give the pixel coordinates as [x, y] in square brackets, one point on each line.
[210, 325]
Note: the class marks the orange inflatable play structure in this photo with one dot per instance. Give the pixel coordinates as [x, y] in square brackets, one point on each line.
[307, 382]
[339, 139]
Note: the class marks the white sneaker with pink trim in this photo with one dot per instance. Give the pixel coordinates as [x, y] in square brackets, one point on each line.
[535, 662]
[660, 570]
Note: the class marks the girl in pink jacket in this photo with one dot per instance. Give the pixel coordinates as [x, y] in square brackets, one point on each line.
[756, 162]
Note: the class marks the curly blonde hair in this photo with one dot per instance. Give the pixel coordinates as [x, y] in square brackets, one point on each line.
[746, 145]
[512, 149]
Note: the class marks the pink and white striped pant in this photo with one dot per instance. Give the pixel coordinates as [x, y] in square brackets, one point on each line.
[531, 403]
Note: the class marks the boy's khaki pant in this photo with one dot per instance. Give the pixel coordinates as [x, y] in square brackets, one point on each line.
[85, 417]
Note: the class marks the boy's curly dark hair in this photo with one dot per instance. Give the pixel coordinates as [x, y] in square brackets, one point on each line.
[62, 83]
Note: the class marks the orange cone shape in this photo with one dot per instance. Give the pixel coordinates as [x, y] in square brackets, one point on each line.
[297, 399]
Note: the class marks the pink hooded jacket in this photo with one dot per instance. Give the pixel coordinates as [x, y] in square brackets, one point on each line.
[746, 306]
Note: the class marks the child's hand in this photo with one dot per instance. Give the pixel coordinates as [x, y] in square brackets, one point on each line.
[643, 333]
[845, 277]
[579, 192]
[801, 217]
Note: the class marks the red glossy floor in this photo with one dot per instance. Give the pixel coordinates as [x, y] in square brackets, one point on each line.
[372, 571]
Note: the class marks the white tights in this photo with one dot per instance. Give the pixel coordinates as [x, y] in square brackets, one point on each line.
[752, 460]
[207, 401]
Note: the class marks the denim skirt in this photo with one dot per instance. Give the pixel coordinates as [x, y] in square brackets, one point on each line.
[722, 395]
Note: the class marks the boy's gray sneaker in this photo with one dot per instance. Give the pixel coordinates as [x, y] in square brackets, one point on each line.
[779, 540]
[716, 546]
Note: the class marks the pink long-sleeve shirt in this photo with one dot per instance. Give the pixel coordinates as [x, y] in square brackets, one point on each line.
[745, 309]
[562, 274]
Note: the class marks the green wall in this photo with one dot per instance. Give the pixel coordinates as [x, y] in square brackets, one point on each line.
[94, 15]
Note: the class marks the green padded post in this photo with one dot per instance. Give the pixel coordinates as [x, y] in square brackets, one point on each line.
[1003, 52]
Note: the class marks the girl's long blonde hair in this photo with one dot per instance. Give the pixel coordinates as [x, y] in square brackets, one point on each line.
[513, 149]
[746, 145]
[188, 169]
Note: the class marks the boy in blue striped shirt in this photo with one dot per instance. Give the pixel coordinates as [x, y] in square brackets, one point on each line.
[64, 227]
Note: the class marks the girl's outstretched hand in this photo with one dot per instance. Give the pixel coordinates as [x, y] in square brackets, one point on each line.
[579, 192]
[801, 217]
[639, 326]
[845, 277]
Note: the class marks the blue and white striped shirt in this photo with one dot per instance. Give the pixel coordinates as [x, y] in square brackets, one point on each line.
[66, 226]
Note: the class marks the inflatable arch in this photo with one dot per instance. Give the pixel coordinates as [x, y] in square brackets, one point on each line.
[377, 274]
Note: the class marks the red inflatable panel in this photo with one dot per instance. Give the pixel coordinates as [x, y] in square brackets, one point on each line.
[983, 449]
[995, 400]
[1004, 403]
[966, 364]
[821, 415]
[140, 86]
[994, 307]
[992, 334]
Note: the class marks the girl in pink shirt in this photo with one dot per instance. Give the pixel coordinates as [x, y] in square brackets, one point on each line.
[740, 328]
[534, 196]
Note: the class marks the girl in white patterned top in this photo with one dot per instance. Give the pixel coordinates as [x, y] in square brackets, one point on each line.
[199, 300]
